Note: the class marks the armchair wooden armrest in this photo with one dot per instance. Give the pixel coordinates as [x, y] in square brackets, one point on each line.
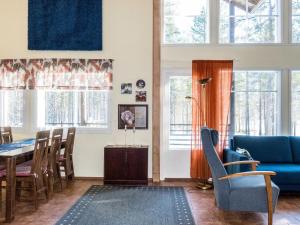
[267, 175]
[252, 162]
[251, 173]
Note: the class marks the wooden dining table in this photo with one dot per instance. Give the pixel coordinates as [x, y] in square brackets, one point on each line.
[10, 155]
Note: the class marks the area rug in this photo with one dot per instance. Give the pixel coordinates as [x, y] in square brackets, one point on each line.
[126, 205]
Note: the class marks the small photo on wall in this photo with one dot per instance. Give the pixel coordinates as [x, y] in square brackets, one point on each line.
[141, 96]
[140, 84]
[126, 88]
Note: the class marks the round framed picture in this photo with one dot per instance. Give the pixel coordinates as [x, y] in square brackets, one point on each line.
[140, 84]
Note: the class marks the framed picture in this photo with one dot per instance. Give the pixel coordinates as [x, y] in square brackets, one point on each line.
[141, 96]
[132, 116]
[126, 88]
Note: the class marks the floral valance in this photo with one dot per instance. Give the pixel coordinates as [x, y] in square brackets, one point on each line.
[89, 74]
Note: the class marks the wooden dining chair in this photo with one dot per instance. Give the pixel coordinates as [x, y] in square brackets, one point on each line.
[7, 135]
[54, 155]
[34, 175]
[66, 160]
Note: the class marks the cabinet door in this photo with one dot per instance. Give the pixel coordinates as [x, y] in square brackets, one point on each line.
[137, 164]
[114, 164]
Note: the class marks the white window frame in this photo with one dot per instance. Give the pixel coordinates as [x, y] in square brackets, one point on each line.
[280, 29]
[35, 127]
[279, 94]
[290, 71]
[209, 25]
[165, 78]
[26, 111]
[214, 22]
[290, 25]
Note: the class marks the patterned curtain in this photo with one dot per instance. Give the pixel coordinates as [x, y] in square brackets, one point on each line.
[211, 105]
[88, 74]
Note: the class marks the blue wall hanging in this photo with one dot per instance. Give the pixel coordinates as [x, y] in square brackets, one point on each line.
[65, 25]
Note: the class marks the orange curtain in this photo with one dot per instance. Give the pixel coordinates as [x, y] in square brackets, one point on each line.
[211, 105]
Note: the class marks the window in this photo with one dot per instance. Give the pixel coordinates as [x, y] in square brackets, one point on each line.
[12, 108]
[180, 116]
[295, 102]
[185, 21]
[88, 109]
[255, 103]
[245, 21]
[296, 21]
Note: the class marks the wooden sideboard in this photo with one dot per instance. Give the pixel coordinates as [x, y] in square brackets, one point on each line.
[127, 165]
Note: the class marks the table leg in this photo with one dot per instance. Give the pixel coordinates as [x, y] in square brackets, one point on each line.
[10, 189]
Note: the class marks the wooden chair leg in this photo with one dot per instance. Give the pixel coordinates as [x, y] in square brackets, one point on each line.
[46, 185]
[72, 167]
[59, 176]
[35, 196]
[18, 190]
[1, 195]
[270, 200]
[66, 174]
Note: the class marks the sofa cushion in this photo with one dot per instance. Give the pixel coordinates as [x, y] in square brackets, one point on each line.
[295, 146]
[267, 149]
[286, 173]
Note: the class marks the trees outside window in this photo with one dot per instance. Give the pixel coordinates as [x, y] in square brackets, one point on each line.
[295, 21]
[12, 108]
[295, 102]
[185, 21]
[246, 21]
[255, 103]
[180, 116]
[73, 108]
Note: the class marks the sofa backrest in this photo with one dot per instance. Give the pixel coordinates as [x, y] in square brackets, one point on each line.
[267, 149]
[295, 146]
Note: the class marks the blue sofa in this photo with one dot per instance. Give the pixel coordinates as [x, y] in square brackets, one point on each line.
[276, 153]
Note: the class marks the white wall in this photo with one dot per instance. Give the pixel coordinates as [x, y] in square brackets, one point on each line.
[127, 36]
[283, 57]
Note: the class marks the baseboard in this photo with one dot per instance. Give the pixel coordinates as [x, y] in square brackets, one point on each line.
[180, 179]
[89, 178]
[150, 180]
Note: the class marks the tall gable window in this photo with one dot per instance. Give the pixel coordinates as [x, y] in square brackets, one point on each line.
[249, 21]
[185, 21]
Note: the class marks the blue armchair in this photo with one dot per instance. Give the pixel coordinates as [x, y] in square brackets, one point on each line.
[247, 191]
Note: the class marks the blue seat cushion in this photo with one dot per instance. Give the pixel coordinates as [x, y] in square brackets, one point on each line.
[266, 149]
[248, 193]
[286, 173]
[295, 145]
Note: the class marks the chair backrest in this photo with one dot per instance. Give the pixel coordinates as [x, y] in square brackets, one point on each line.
[0, 136]
[221, 188]
[55, 145]
[70, 142]
[40, 154]
[6, 135]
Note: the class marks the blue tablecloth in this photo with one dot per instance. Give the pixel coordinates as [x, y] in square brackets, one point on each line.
[16, 144]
